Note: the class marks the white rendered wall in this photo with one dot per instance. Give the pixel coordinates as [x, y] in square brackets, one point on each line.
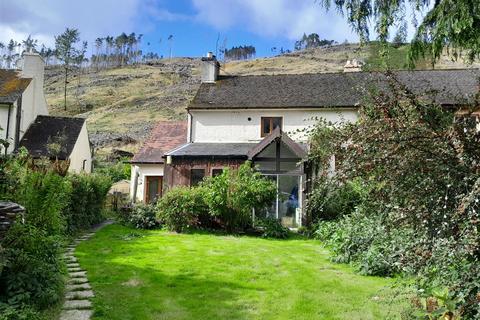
[4, 123]
[143, 170]
[81, 151]
[234, 126]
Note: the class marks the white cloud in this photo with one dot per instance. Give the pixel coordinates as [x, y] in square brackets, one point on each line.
[282, 18]
[46, 18]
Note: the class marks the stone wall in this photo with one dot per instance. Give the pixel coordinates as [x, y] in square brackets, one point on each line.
[9, 213]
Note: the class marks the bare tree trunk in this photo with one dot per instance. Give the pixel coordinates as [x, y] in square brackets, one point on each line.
[65, 92]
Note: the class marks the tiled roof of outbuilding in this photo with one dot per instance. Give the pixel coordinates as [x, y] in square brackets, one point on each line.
[165, 136]
[46, 130]
[331, 90]
[12, 85]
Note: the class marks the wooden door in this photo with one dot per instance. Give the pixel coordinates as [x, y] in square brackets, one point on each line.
[153, 188]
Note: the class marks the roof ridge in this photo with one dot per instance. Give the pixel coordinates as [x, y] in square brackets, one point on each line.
[232, 76]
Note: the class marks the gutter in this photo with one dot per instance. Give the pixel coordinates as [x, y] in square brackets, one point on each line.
[18, 123]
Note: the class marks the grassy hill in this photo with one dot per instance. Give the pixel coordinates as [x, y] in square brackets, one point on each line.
[122, 104]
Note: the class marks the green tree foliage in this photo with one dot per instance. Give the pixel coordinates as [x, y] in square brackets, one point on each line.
[311, 41]
[67, 52]
[451, 24]
[420, 211]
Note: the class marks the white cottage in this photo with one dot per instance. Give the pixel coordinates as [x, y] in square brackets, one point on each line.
[25, 122]
[233, 119]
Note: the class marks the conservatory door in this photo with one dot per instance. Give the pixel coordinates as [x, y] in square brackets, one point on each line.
[286, 206]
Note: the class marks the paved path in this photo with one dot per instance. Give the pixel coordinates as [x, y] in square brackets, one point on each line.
[78, 291]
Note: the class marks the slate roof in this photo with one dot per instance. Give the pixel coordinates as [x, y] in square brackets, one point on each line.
[204, 149]
[12, 85]
[331, 90]
[48, 129]
[165, 136]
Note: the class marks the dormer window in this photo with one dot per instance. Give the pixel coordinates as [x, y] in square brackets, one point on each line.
[268, 124]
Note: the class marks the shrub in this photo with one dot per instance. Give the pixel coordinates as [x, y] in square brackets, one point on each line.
[23, 312]
[422, 214]
[32, 274]
[232, 195]
[115, 171]
[86, 200]
[44, 195]
[272, 228]
[143, 216]
[331, 199]
[180, 207]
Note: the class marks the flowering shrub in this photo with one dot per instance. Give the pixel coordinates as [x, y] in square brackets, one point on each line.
[420, 213]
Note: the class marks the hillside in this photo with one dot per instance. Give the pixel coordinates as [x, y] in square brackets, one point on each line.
[122, 104]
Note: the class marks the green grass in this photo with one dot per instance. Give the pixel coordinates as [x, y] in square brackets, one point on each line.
[161, 275]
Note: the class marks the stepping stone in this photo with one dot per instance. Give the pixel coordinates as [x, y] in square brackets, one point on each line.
[77, 304]
[79, 295]
[71, 259]
[74, 269]
[78, 274]
[73, 265]
[78, 287]
[77, 281]
[76, 315]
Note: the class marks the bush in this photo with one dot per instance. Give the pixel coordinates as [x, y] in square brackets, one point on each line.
[232, 195]
[422, 215]
[115, 171]
[143, 216]
[86, 201]
[44, 195]
[272, 228]
[32, 274]
[330, 200]
[180, 208]
[8, 312]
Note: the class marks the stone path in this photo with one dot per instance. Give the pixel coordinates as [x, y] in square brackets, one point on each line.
[78, 292]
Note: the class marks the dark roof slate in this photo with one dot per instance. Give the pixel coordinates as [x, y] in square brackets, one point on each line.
[48, 129]
[204, 149]
[331, 90]
[165, 136]
[12, 85]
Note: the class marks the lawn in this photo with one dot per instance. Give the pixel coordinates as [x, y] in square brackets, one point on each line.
[160, 275]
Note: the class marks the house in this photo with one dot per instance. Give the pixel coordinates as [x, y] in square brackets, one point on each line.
[146, 183]
[25, 122]
[233, 119]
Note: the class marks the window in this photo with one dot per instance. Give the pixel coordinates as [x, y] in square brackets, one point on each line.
[217, 172]
[268, 124]
[196, 176]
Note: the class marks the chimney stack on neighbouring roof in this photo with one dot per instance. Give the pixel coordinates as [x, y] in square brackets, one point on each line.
[33, 67]
[353, 66]
[210, 68]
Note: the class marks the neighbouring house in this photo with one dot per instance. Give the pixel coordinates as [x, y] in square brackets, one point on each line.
[263, 119]
[146, 183]
[25, 122]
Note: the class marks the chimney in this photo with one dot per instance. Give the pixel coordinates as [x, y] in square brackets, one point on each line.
[210, 68]
[353, 66]
[34, 67]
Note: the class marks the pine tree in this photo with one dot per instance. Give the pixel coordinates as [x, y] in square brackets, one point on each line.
[68, 53]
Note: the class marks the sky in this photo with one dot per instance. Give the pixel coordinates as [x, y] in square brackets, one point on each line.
[196, 25]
